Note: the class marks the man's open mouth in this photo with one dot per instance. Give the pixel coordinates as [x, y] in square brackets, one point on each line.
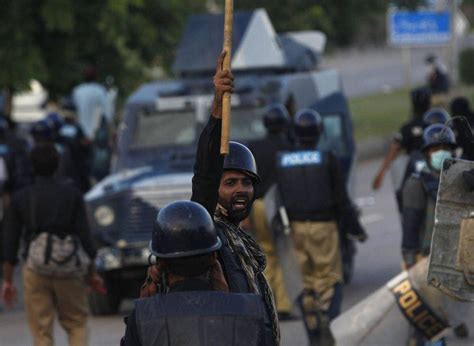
[240, 203]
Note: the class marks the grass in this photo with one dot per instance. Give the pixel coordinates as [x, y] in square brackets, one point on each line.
[381, 115]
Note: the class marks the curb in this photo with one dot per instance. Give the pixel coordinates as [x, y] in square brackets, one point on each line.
[372, 148]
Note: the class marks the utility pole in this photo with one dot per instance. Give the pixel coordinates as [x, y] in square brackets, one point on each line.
[454, 4]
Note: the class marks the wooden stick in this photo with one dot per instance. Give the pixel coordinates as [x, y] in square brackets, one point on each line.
[226, 101]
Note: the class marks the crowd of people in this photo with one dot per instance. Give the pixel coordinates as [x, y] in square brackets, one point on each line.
[45, 169]
[206, 267]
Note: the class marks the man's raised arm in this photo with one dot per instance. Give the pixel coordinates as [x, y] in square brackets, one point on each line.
[209, 161]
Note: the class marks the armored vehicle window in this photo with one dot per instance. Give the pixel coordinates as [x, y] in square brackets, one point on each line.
[247, 124]
[164, 128]
[333, 137]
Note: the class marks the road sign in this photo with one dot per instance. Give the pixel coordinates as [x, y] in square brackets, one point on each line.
[419, 28]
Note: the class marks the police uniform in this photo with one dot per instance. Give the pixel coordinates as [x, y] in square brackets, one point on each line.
[313, 192]
[308, 181]
[419, 198]
[265, 151]
[419, 201]
[193, 313]
[190, 308]
[70, 135]
[410, 138]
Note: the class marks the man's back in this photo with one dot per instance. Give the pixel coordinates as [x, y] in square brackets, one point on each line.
[265, 151]
[91, 103]
[200, 318]
[48, 205]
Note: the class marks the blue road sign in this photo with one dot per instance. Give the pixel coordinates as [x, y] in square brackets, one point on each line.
[420, 28]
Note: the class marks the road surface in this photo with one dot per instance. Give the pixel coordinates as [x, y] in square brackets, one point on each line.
[372, 70]
[378, 260]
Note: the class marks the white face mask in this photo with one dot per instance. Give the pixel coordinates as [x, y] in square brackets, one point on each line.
[437, 158]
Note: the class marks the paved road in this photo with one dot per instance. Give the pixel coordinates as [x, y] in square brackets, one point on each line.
[372, 70]
[377, 261]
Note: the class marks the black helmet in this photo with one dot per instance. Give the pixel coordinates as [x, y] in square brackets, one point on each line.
[421, 100]
[276, 117]
[240, 158]
[460, 106]
[42, 130]
[308, 125]
[438, 134]
[183, 229]
[436, 116]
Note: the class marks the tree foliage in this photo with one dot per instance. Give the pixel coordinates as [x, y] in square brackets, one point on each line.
[52, 40]
[338, 19]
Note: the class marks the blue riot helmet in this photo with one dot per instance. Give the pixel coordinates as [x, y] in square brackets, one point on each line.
[276, 118]
[438, 134]
[436, 116]
[183, 229]
[308, 126]
[241, 159]
[54, 121]
[41, 131]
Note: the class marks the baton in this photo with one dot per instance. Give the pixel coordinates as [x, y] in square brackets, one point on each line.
[226, 102]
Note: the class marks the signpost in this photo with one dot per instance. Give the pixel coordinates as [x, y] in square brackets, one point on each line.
[424, 28]
[420, 28]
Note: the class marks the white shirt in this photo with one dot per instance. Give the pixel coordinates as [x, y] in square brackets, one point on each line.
[91, 103]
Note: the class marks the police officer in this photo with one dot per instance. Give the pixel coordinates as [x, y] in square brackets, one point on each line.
[276, 120]
[71, 135]
[225, 187]
[438, 79]
[419, 199]
[416, 160]
[409, 137]
[45, 132]
[314, 193]
[190, 299]
[420, 191]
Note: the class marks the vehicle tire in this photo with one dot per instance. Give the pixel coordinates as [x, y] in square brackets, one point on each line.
[108, 304]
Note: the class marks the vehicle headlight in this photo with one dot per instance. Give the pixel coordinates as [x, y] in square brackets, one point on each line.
[104, 216]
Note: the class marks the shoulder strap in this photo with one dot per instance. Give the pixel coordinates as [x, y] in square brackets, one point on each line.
[32, 212]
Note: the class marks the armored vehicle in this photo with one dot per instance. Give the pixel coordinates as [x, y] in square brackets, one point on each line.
[162, 121]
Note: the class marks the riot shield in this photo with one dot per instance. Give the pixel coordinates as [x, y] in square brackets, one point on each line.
[451, 267]
[278, 219]
[389, 315]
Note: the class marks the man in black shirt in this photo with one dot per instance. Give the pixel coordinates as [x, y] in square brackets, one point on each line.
[225, 187]
[53, 207]
[409, 139]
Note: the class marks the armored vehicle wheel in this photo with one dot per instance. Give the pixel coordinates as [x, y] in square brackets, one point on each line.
[105, 304]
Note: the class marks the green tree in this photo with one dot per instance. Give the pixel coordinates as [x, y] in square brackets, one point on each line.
[52, 40]
[338, 19]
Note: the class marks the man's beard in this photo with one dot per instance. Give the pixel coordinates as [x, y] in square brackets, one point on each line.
[237, 209]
